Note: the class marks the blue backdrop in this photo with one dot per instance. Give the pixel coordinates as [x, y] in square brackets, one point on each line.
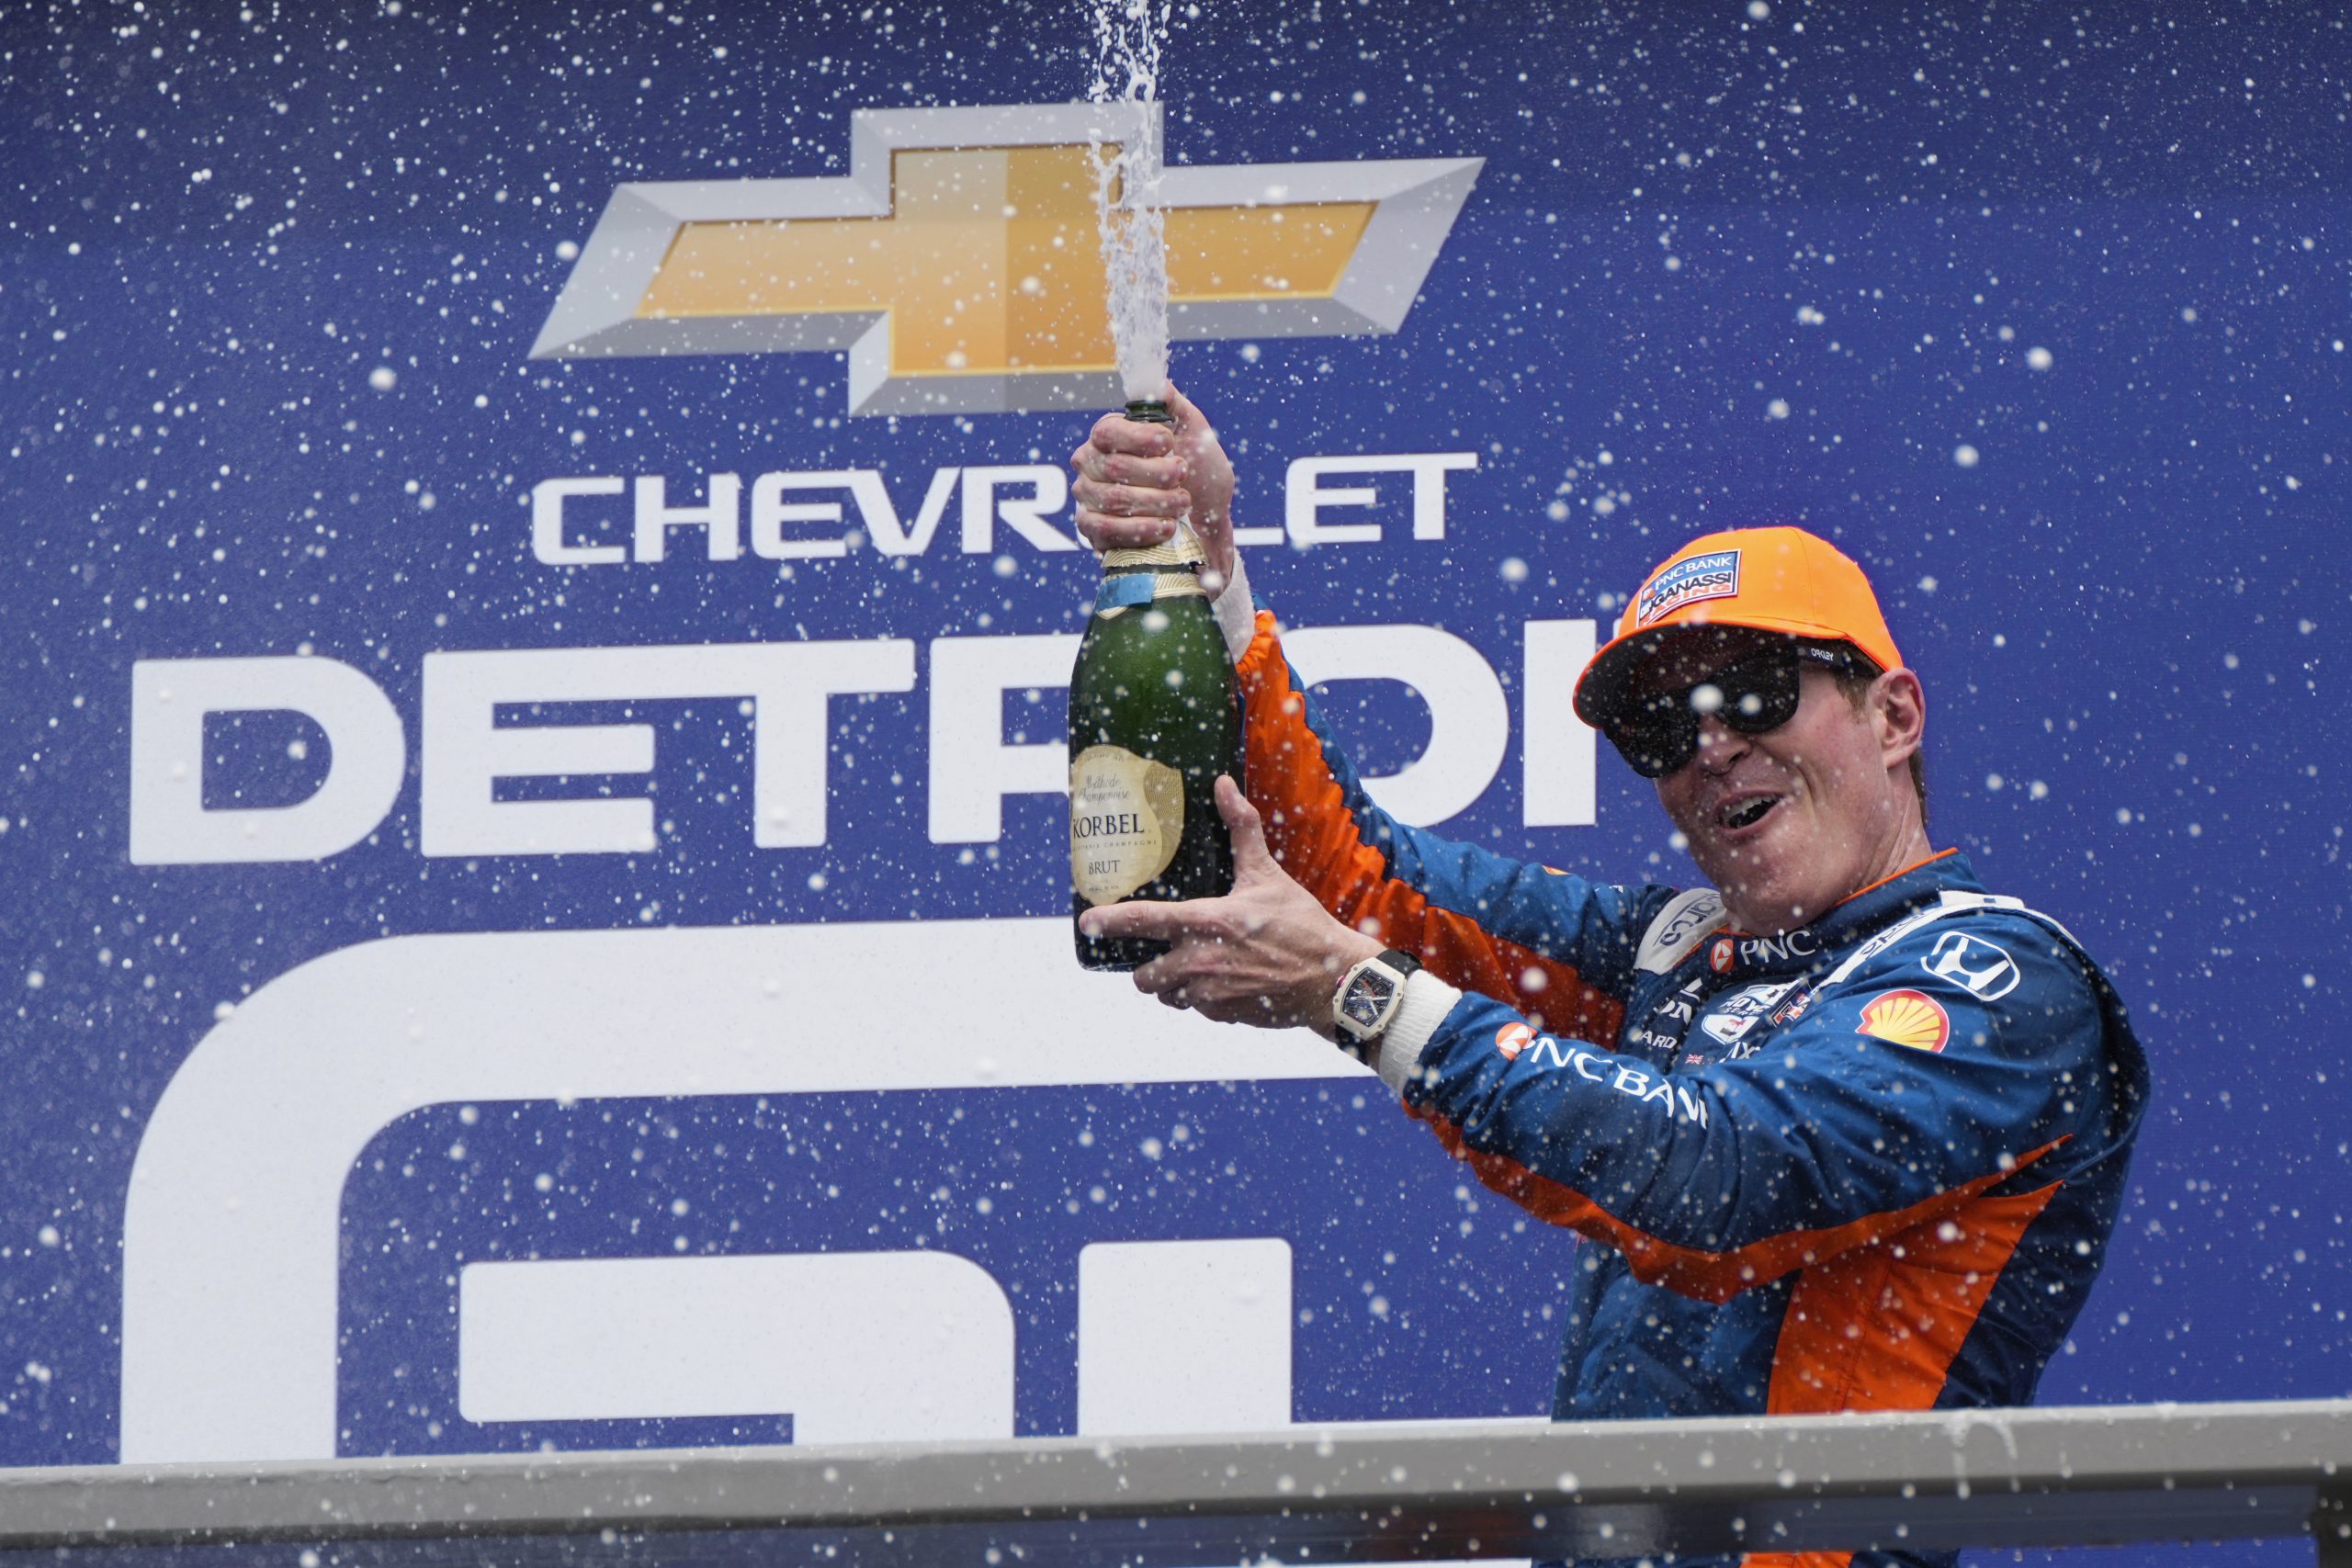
[2042, 317]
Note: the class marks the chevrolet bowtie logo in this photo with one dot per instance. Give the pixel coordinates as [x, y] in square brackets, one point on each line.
[957, 261]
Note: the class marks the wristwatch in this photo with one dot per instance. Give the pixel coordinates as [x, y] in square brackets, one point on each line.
[1367, 1000]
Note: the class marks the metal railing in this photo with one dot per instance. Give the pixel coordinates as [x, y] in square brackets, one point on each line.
[1384, 1492]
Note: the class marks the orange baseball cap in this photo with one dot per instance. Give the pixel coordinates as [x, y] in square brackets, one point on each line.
[1776, 580]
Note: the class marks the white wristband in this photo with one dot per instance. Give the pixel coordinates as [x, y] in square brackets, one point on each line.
[1427, 1001]
[1237, 613]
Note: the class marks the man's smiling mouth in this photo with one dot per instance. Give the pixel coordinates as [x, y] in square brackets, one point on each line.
[1747, 812]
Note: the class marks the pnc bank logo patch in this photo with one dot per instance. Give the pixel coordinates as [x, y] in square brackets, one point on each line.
[1712, 576]
[957, 262]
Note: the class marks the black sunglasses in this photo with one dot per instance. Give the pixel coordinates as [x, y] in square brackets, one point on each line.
[1754, 694]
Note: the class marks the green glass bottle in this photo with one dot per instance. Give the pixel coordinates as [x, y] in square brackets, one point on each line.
[1154, 718]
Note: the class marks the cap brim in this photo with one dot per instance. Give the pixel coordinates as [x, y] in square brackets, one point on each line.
[1602, 690]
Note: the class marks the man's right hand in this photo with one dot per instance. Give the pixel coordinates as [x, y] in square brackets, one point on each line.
[1135, 479]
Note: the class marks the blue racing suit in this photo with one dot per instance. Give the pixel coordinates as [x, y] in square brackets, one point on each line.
[1871, 1164]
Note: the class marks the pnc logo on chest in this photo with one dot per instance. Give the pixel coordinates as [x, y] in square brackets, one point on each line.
[1726, 954]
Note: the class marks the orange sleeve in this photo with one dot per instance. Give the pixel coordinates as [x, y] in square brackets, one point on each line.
[1565, 961]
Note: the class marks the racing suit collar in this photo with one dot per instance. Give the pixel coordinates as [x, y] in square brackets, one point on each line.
[1746, 954]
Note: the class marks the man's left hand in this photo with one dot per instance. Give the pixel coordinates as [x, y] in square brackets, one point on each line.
[1266, 954]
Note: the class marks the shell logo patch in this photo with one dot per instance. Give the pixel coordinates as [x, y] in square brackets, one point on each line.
[1513, 1038]
[1906, 1017]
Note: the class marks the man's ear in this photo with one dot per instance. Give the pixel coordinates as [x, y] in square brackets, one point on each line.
[1899, 709]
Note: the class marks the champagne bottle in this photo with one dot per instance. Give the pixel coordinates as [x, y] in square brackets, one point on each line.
[1153, 720]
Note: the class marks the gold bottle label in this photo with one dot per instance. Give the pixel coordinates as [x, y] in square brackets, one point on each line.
[1126, 816]
[1180, 549]
[1122, 591]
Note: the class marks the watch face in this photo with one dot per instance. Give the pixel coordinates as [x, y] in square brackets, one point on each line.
[1367, 999]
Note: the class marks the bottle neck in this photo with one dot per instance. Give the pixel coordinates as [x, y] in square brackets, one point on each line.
[1180, 549]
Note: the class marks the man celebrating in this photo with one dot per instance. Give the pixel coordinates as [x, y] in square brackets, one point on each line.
[1850, 1131]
